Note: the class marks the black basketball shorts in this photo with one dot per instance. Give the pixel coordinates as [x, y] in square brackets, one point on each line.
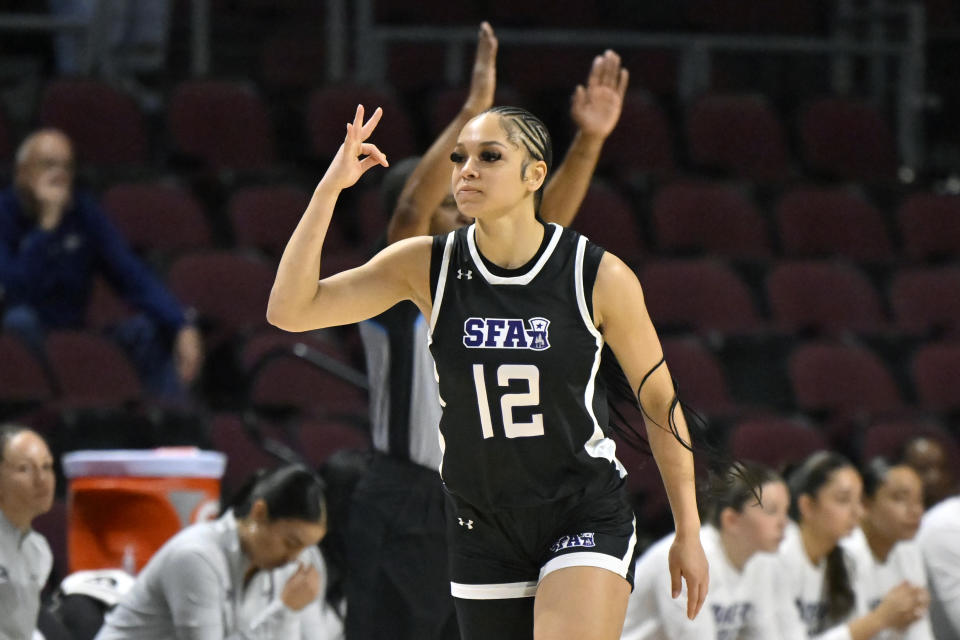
[505, 553]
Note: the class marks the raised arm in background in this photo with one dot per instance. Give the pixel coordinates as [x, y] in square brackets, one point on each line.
[596, 110]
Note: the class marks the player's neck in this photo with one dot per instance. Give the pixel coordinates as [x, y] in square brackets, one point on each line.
[509, 241]
[815, 545]
[880, 544]
[734, 549]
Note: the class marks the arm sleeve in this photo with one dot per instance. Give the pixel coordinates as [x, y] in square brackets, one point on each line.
[125, 271]
[195, 595]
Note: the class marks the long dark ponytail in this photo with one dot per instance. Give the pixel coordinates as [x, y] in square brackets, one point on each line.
[807, 479]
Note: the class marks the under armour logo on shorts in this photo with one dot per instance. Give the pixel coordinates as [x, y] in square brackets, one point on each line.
[468, 524]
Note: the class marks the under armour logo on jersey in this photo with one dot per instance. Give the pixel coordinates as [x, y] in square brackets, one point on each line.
[468, 524]
[506, 333]
[461, 275]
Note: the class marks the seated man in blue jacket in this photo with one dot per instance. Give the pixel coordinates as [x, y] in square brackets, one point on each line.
[54, 240]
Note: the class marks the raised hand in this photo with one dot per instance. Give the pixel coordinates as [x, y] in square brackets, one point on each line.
[483, 80]
[596, 108]
[347, 166]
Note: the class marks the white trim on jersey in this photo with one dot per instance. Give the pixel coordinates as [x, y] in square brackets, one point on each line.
[598, 446]
[521, 279]
[619, 566]
[496, 591]
[441, 284]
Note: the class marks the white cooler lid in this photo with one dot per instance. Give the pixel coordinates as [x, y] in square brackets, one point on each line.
[180, 462]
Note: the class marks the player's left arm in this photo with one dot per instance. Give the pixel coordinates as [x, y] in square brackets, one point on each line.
[596, 110]
[621, 314]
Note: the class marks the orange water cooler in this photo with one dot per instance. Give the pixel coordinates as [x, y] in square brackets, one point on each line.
[123, 505]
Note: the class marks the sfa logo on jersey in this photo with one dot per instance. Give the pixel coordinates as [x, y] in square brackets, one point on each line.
[576, 540]
[506, 333]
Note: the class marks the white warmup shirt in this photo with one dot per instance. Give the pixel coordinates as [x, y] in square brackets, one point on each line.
[875, 579]
[25, 563]
[802, 590]
[192, 589]
[939, 541]
[739, 605]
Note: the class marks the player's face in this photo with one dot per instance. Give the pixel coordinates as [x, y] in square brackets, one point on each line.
[897, 505]
[489, 177]
[837, 507]
[763, 524]
[929, 459]
[26, 476]
[278, 542]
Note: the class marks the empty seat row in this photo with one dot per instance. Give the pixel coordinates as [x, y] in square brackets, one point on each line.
[686, 218]
[228, 124]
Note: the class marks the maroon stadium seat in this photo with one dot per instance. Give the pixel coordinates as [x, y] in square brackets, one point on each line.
[22, 380]
[710, 218]
[642, 143]
[848, 139]
[607, 219]
[330, 108]
[775, 442]
[936, 370]
[827, 296]
[705, 295]
[244, 454]
[228, 289]
[106, 308]
[319, 439]
[287, 383]
[90, 370]
[699, 376]
[739, 134]
[833, 377]
[226, 124]
[887, 437]
[820, 222]
[446, 103]
[930, 225]
[264, 217]
[105, 125]
[157, 216]
[926, 299]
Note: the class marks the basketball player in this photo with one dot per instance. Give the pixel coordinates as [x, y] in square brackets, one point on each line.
[542, 536]
[398, 582]
[742, 535]
[885, 552]
[817, 576]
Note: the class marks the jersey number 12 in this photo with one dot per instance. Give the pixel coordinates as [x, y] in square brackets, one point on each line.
[506, 373]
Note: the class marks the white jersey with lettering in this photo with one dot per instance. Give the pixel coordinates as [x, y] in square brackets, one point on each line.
[517, 354]
[740, 605]
[875, 579]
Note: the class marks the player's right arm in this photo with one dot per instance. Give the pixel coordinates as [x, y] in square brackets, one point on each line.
[301, 302]
[429, 183]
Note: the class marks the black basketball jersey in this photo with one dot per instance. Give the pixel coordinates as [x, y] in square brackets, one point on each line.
[517, 355]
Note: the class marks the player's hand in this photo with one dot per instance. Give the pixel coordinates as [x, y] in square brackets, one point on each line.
[596, 108]
[688, 562]
[483, 80]
[51, 195]
[903, 605]
[188, 353]
[347, 165]
[302, 587]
